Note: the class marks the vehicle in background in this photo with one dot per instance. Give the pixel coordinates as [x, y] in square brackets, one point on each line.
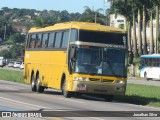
[10, 64]
[2, 61]
[17, 64]
[150, 66]
[22, 66]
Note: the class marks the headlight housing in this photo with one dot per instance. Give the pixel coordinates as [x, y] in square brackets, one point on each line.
[121, 81]
[81, 78]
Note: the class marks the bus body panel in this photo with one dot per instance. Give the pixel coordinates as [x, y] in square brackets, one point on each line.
[48, 66]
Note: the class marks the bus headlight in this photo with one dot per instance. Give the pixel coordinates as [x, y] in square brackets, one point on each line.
[121, 81]
[81, 78]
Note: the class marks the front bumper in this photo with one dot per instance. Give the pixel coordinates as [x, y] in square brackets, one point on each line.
[98, 88]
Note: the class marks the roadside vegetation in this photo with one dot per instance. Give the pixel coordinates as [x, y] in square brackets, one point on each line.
[10, 75]
[135, 94]
[141, 95]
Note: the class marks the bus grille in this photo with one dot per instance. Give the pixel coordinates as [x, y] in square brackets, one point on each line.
[100, 80]
[94, 79]
[107, 81]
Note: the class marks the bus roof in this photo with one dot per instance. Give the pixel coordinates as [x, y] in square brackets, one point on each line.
[78, 25]
[151, 56]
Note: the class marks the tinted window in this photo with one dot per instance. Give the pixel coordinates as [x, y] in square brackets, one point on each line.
[103, 37]
[39, 41]
[74, 35]
[32, 41]
[28, 40]
[58, 39]
[51, 39]
[65, 39]
[45, 40]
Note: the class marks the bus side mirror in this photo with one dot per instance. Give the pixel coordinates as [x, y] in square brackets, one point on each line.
[71, 60]
[72, 52]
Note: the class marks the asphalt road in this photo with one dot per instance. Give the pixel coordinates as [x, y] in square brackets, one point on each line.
[18, 97]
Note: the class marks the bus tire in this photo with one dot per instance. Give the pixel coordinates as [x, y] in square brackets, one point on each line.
[33, 84]
[39, 88]
[65, 93]
[108, 98]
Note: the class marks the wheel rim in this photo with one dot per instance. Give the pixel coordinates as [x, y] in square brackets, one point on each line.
[33, 85]
[37, 83]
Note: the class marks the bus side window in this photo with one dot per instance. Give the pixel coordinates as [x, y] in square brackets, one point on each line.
[65, 39]
[51, 40]
[32, 41]
[39, 41]
[28, 40]
[45, 40]
[58, 39]
[74, 35]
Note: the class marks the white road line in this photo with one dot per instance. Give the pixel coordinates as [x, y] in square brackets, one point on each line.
[24, 103]
[10, 88]
[96, 118]
[71, 100]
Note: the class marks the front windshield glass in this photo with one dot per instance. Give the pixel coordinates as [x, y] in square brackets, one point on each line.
[100, 61]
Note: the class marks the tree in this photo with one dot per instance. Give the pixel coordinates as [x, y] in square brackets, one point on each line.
[16, 50]
[139, 6]
[125, 9]
[5, 53]
[39, 21]
[144, 41]
[151, 11]
[17, 38]
[157, 4]
[90, 15]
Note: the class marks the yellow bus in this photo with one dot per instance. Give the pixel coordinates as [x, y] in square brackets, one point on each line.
[77, 57]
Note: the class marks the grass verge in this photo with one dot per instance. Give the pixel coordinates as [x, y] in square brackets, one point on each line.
[135, 94]
[141, 95]
[10, 75]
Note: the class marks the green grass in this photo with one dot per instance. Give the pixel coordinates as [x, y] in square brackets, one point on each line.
[10, 75]
[141, 95]
[135, 94]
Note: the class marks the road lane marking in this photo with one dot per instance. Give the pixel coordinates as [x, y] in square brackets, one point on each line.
[10, 88]
[96, 118]
[71, 100]
[24, 103]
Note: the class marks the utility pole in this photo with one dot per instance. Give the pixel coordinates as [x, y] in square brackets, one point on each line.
[4, 37]
[105, 6]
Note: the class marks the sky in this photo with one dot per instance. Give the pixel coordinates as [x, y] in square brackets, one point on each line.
[72, 6]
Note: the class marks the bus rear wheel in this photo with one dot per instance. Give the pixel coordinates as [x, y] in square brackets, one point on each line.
[39, 88]
[33, 85]
[65, 93]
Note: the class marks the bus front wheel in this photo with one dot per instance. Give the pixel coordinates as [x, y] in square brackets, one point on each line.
[39, 88]
[65, 93]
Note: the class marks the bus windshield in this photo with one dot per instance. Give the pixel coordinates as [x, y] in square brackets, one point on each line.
[100, 61]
